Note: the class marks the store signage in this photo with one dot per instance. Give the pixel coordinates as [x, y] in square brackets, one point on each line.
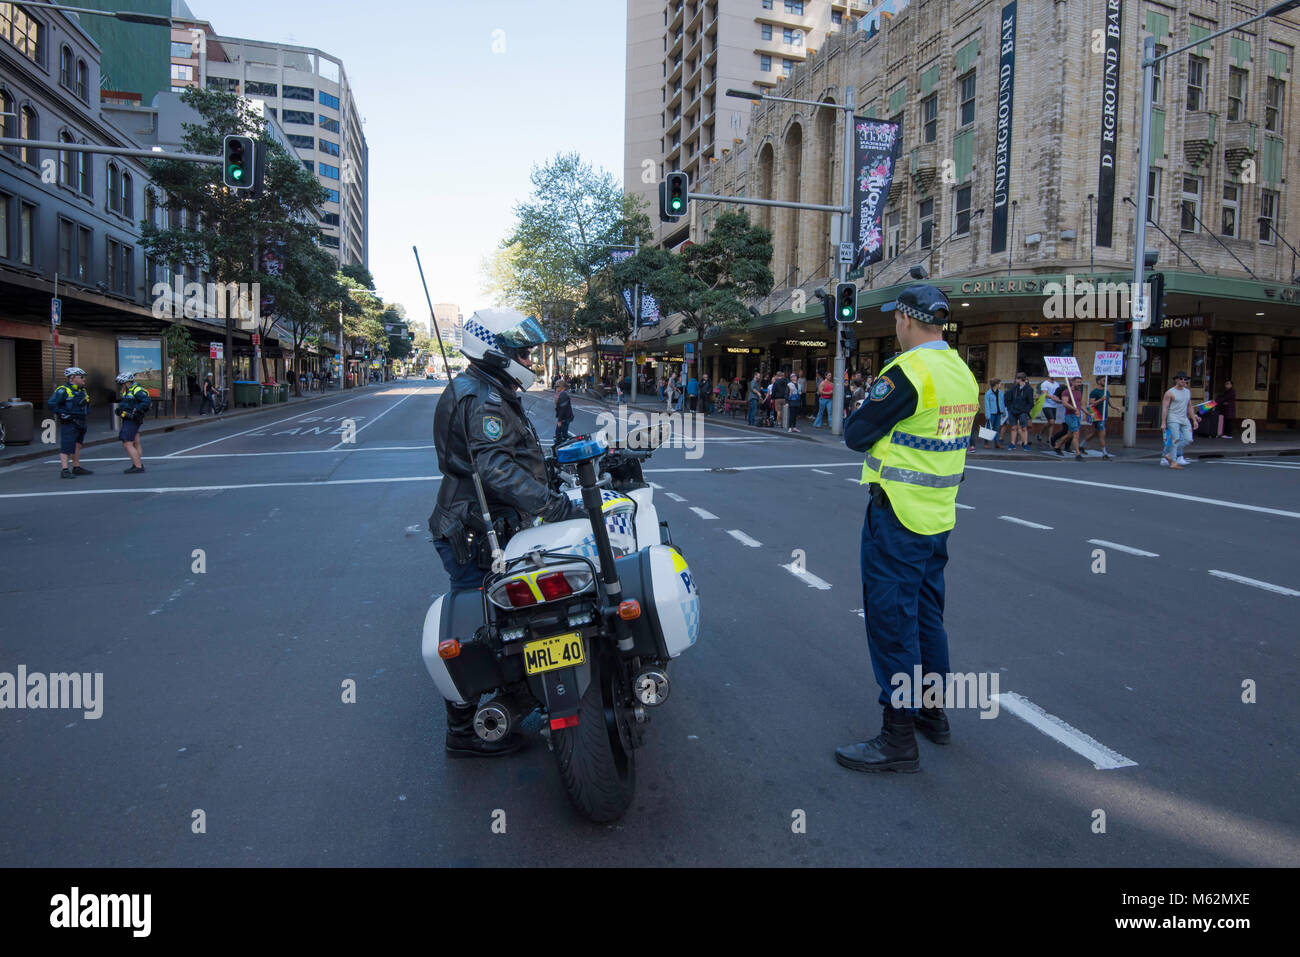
[1109, 123]
[1155, 342]
[1182, 322]
[742, 351]
[1002, 145]
[996, 286]
[807, 343]
[216, 350]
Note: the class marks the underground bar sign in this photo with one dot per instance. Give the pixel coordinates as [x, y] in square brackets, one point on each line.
[1006, 107]
[1109, 123]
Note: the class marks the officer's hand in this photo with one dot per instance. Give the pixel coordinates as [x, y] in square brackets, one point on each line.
[574, 511]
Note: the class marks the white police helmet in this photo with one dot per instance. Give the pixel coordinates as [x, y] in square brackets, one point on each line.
[497, 338]
[124, 377]
[70, 371]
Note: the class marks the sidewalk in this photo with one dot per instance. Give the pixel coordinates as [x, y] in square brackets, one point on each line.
[1149, 442]
[99, 431]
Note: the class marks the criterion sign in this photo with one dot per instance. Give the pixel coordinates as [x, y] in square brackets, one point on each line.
[1062, 366]
[1108, 363]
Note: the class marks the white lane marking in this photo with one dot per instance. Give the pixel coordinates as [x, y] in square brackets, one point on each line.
[146, 490]
[297, 415]
[703, 514]
[1276, 589]
[377, 418]
[821, 472]
[1021, 521]
[960, 505]
[1144, 491]
[1122, 548]
[744, 539]
[1258, 465]
[674, 496]
[860, 612]
[761, 468]
[1102, 757]
[854, 481]
[656, 486]
[806, 576]
[245, 455]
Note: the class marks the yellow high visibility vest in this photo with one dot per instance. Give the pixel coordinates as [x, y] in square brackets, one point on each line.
[919, 463]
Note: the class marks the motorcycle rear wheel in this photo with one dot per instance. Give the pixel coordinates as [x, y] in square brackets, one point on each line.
[596, 764]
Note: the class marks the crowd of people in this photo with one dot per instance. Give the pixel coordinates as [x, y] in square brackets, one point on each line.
[774, 401]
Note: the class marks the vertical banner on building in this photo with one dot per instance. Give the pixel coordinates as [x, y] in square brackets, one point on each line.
[1109, 124]
[1006, 107]
[876, 147]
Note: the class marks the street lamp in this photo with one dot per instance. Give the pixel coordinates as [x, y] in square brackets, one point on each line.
[1139, 313]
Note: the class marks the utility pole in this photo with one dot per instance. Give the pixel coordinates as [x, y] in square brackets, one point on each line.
[636, 321]
[846, 236]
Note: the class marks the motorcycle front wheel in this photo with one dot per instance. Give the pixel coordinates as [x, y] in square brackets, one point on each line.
[596, 763]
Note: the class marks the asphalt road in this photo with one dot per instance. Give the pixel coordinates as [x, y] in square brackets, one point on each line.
[222, 688]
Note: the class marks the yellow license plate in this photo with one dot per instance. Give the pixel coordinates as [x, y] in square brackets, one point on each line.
[562, 651]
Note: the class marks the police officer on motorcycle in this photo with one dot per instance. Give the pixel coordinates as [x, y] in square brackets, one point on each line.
[71, 403]
[479, 425]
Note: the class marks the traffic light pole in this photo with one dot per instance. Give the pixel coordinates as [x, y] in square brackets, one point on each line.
[846, 236]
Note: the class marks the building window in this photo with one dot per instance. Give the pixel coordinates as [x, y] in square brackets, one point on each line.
[65, 66]
[765, 63]
[258, 88]
[1231, 209]
[786, 65]
[26, 234]
[792, 37]
[962, 209]
[1158, 76]
[328, 99]
[966, 97]
[927, 223]
[227, 84]
[1191, 205]
[1153, 196]
[837, 18]
[74, 250]
[794, 6]
[331, 241]
[930, 118]
[766, 31]
[85, 174]
[1273, 105]
[1236, 94]
[29, 128]
[182, 71]
[119, 267]
[301, 142]
[83, 81]
[767, 4]
[67, 172]
[5, 200]
[299, 116]
[1267, 215]
[25, 33]
[179, 89]
[331, 195]
[329, 125]
[893, 234]
[330, 219]
[182, 51]
[114, 188]
[329, 171]
[299, 93]
[8, 121]
[1197, 67]
[328, 146]
[310, 165]
[128, 196]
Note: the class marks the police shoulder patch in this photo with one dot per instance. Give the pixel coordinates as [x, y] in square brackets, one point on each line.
[881, 389]
[492, 427]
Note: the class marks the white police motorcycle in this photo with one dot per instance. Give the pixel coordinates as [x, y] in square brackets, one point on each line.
[578, 618]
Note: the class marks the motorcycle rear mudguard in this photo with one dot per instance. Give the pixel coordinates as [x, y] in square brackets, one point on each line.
[475, 670]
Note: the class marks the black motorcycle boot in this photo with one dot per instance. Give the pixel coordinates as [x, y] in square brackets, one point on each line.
[933, 723]
[894, 749]
[462, 742]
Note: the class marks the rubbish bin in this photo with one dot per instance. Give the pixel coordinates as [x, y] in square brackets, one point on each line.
[17, 421]
[248, 393]
[270, 393]
[284, 392]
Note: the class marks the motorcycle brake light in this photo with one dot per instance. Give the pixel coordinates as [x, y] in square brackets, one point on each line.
[519, 593]
[554, 585]
[570, 722]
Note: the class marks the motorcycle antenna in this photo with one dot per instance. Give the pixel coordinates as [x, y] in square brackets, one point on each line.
[432, 318]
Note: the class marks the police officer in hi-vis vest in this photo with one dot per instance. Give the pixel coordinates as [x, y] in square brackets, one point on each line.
[71, 403]
[132, 404]
[914, 428]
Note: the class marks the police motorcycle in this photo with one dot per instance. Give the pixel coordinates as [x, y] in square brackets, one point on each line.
[578, 618]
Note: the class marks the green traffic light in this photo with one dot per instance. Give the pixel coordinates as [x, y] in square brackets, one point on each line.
[677, 203]
[236, 172]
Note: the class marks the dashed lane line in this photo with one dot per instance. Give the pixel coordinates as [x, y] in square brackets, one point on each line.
[1102, 757]
[150, 490]
[1255, 583]
[807, 577]
[1021, 521]
[674, 496]
[1128, 549]
[744, 539]
[702, 513]
[821, 472]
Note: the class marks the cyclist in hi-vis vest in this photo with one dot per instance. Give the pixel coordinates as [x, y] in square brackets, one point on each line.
[914, 428]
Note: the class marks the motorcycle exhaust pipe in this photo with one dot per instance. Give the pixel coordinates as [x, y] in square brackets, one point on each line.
[651, 687]
[493, 721]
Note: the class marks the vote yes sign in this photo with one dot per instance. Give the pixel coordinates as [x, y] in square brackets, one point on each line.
[1061, 366]
[1108, 363]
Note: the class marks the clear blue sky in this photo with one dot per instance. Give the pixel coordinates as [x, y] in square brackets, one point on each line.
[453, 127]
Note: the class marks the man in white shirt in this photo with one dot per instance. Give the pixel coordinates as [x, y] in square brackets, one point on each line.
[1177, 420]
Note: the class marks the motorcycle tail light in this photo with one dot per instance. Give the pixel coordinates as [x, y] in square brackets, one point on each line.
[554, 585]
[519, 593]
[570, 722]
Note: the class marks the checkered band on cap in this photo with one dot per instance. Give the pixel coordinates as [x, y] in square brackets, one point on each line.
[481, 332]
[917, 314]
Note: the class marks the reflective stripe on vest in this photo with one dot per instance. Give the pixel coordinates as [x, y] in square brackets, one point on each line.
[919, 463]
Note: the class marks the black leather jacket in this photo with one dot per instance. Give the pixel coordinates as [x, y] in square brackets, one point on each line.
[479, 413]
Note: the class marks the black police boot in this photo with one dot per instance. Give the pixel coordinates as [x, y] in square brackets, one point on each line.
[933, 723]
[894, 749]
[462, 742]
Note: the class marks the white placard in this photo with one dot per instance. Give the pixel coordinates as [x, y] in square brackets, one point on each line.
[1108, 363]
[1060, 366]
[988, 435]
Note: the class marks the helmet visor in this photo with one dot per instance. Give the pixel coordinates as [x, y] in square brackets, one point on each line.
[523, 335]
